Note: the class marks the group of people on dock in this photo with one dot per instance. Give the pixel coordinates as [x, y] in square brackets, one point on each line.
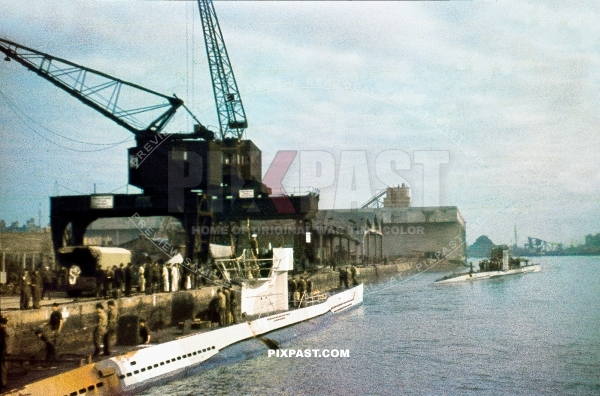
[148, 278]
[50, 339]
[299, 289]
[33, 286]
[225, 306]
[348, 274]
[103, 335]
[105, 331]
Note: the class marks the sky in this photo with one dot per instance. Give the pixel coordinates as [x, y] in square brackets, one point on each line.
[490, 106]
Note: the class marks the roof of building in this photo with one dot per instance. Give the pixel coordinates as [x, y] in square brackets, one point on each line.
[124, 223]
[426, 214]
[17, 242]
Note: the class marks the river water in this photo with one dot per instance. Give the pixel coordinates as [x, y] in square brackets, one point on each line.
[531, 334]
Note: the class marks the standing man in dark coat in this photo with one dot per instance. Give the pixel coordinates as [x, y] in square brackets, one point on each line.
[111, 328]
[109, 280]
[119, 278]
[144, 332]
[36, 288]
[47, 281]
[128, 280]
[100, 282]
[347, 278]
[227, 306]
[25, 286]
[5, 343]
[354, 273]
[156, 277]
[235, 306]
[213, 309]
[64, 278]
[343, 278]
[302, 287]
[149, 274]
[55, 322]
[222, 308]
[292, 286]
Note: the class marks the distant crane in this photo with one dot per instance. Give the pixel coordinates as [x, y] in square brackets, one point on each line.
[375, 201]
[540, 245]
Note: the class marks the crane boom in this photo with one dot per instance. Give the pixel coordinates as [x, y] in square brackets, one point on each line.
[232, 117]
[112, 97]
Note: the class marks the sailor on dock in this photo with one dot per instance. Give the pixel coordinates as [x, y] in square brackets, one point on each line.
[302, 287]
[46, 281]
[50, 349]
[5, 351]
[354, 273]
[235, 306]
[25, 286]
[155, 278]
[165, 276]
[100, 276]
[111, 328]
[222, 308]
[55, 322]
[292, 287]
[142, 277]
[254, 246]
[109, 279]
[342, 276]
[175, 278]
[119, 277]
[100, 329]
[36, 288]
[128, 276]
[227, 294]
[144, 332]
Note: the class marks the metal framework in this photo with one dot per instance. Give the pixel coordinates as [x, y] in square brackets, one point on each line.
[116, 99]
[540, 245]
[232, 117]
[375, 201]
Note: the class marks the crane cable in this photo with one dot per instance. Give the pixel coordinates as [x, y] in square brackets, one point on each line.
[23, 117]
[190, 55]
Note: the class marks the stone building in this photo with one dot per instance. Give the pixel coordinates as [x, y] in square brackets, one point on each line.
[397, 197]
[430, 232]
[369, 235]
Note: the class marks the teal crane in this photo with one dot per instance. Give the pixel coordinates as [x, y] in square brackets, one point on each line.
[232, 117]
